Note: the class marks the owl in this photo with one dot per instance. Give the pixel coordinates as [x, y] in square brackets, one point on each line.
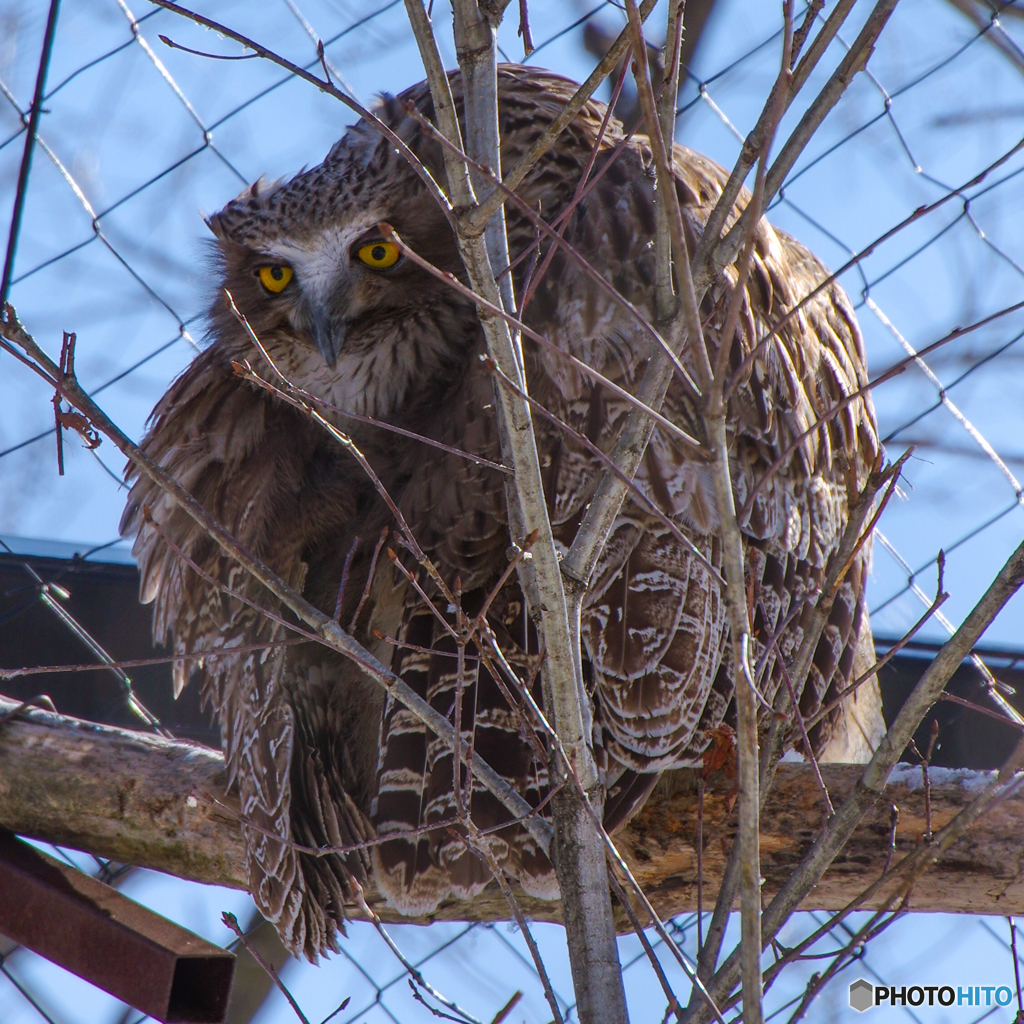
[320, 757]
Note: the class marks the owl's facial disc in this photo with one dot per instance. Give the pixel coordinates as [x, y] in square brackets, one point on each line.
[338, 273]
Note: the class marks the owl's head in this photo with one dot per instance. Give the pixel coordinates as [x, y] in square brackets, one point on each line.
[338, 307]
[335, 303]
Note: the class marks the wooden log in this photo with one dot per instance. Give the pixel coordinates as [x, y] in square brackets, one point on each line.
[137, 799]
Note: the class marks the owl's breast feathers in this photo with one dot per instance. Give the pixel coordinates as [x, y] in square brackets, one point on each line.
[319, 759]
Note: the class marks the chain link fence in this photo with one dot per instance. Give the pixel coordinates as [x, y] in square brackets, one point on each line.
[135, 139]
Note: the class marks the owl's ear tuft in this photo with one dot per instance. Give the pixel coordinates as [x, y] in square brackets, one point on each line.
[252, 191]
[213, 222]
[261, 187]
[390, 108]
[392, 111]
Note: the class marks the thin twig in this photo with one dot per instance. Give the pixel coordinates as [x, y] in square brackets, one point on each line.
[1005, 784]
[513, 563]
[700, 861]
[515, 177]
[368, 586]
[747, 846]
[479, 845]
[687, 321]
[674, 1007]
[939, 601]
[415, 584]
[26, 158]
[524, 28]
[231, 922]
[433, 189]
[808, 748]
[323, 60]
[170, 43]
[453, 282]
[419, 648]
[223, 588]
[830, 279]
[302, 400]
[837, 830]
[874, 927]
[854, 61]
[801, 34]
[611, 467]
[1016, 964]
[526, 698]
[780, 93]
[410, 968]
[894, 821]
[953, 699]
[895, 370]
[925, 760]
[477, 460]
[170, 659]
[461, 803]
[502, 1014]
[752, 146]
[52, 595]
[344, 579]
[855, 534]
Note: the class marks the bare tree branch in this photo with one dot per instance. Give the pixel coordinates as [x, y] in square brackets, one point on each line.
[836, 833]
[854, 61]
[577, 854]
[476, 221]
[754, 143]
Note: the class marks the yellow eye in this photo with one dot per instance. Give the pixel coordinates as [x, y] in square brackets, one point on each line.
[275, 278]
[379, 255]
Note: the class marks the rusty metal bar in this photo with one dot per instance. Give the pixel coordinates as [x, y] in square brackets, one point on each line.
[112, 942]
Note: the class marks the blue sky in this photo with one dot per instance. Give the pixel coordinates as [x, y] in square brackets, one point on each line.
[112, 247]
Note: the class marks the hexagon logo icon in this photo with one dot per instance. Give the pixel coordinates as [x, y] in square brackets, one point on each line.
[861, 995]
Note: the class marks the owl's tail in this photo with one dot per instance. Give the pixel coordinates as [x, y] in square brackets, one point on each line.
[308, 844]
[416, 780]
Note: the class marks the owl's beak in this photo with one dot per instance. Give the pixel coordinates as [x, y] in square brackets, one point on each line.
[329, 335]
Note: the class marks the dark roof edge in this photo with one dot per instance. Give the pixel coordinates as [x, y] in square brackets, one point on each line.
[117, 552]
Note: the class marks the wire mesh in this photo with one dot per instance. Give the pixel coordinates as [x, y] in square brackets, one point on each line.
[134, 137]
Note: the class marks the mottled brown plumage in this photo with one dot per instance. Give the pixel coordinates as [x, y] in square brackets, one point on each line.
[319, 758]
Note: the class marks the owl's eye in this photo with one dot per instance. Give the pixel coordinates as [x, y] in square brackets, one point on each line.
[275, 278]
[379, 255]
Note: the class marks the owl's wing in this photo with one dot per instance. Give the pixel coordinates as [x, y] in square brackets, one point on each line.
[653, 619]
[794, 474]
[246, 458]
[794, 524]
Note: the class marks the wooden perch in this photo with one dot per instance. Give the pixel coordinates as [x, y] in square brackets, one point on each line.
[126, 796]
